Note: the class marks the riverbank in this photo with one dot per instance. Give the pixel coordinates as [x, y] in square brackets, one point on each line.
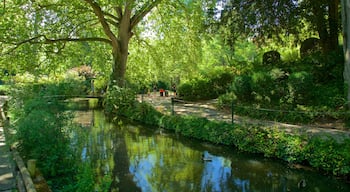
[207, 109]
[321, 151]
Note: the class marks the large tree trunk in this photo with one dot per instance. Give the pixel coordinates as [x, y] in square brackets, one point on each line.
[119, 67]
[333, 20]
[327, 24]
[321, 24]
[120, 52]
[346, 43]
[125, 22]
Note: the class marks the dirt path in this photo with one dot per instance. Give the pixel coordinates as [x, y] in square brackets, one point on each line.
[7, 178]
[207, 109]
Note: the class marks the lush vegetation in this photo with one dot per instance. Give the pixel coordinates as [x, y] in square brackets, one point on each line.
[326, 154]
[209, 86]
[208, 49]
[300, 91]
[45, 132]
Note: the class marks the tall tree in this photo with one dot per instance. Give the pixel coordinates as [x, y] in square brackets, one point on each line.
[324, 15]
[345, 4]
[110, 22]
[263, 19]
[259, 19]
[172, 48]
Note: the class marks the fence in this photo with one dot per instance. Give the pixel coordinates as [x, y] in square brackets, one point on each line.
[233, 107]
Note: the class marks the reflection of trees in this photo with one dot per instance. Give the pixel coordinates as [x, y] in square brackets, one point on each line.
[100, 146]
[216, 174]
[160, 163]
[259, 175]
[108, 152]
[121, 165]
[140, 160]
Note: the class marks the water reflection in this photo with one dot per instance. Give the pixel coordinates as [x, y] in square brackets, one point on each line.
[140, 159]
[216, 173]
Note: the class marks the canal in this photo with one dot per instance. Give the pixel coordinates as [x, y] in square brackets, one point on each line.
[139, 158]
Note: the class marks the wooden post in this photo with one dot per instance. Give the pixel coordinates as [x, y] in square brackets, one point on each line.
[28, 182]
[232, 112]
[31, 164]
[172, 106]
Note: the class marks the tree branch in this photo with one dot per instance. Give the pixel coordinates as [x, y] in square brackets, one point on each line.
[4, 6]
[119, 12]
[143, 12]
[42, 39]
[112, 22]
[116, 19]
[99, 13]
[84, 39]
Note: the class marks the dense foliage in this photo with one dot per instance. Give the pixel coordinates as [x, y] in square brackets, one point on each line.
[44, 131]
[303, 90]
[209, 87]
[209, 49]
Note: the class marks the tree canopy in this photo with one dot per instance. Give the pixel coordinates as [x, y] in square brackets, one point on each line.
[50, 25]
[50, 36]
[276, 19]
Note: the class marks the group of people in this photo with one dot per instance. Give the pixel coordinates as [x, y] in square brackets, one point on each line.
[164, 92]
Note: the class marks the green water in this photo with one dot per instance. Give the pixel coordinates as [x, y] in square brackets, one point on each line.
[138, 158]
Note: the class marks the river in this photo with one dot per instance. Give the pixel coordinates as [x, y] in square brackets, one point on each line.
[140, 158]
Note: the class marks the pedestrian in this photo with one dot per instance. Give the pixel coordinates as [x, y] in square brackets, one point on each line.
[173, 88]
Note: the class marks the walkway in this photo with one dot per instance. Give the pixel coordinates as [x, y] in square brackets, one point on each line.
[7, 179]
[207, 109]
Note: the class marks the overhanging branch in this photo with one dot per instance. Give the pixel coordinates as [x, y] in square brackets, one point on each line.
[84, 39]
[143, 12]
[100, 15]
[42, 39]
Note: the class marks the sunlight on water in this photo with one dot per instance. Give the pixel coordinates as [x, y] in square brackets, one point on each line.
[144, 159]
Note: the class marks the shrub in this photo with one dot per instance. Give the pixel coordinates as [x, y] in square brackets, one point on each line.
[242, 87]
[262, 86]
[43, 130]
[221, 83]
[119, 100]
[323, 154]
[329, 155]
[300, 88]
[206, 87]
[225, 100]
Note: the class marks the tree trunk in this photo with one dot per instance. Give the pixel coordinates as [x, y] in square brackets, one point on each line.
[321, 24]
[333, 20]
[119, 67]
[346, 43]
[121, 48]
[125, 22]
[327, 24]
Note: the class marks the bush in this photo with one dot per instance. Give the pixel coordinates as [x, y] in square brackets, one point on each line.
[205, 88]
[300, 88]
[225, 100]
[43, 129]
[329, 155]
[119, 100]
[242, 87]
[262, 86]
[4, 89]
[195, 89]
[325, 155]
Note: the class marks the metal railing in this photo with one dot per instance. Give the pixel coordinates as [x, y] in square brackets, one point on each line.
[233, 107]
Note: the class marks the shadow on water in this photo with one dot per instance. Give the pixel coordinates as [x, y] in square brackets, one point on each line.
[143, 159]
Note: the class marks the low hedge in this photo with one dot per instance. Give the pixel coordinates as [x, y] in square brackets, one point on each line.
[325, 154]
